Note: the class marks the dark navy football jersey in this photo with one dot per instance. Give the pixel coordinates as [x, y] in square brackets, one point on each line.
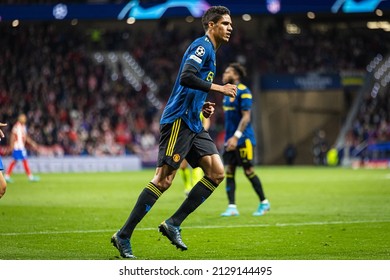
[233, 108]
[184, 102]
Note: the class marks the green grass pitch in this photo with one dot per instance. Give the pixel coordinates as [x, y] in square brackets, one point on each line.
[317, 213]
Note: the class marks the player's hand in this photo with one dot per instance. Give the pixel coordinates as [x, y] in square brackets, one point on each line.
[1, 132]
[231, 144]
[230, 90]
[208, 109]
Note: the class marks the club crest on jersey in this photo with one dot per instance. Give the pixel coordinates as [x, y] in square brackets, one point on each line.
[176, 157]
[200, 51]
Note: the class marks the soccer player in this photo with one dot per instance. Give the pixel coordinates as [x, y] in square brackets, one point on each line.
[19, 138]
[239, 140]
[182, 135]
[3, 183]
[191, 178]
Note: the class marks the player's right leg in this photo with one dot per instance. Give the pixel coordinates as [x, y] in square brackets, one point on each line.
[17, 155]
[9, 170]
[148, 197]
[30, 176]
[123, 245]
[168, 162]
[231, 210]
[230, 160]
[264, 204]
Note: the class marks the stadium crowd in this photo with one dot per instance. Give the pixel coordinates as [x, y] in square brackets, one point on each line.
[371, 127]
[72, 105]
[75, 108]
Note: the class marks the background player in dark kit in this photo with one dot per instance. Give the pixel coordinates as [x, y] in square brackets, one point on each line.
[240, 140]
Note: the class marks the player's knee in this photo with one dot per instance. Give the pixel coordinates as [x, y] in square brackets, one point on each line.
[164, 184]
[217, 177]
[213, 169]
[248, 171]
[230, 169]
[220, 178]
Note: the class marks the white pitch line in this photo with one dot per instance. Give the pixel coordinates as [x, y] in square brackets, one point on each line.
[201, 227]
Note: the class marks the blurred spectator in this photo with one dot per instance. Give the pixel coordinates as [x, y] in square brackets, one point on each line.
[290, 153]
[371, 126]
[320, 148]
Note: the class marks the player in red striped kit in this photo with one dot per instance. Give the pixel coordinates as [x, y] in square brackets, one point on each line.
[19, 139]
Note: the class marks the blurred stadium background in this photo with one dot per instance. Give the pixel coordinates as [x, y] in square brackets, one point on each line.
[93, 77]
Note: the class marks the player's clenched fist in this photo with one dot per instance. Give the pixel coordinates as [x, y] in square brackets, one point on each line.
[230, 90]
[208, 109]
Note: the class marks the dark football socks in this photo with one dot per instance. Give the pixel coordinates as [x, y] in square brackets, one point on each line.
[254, 179]
[231, 188]
[145, 201]
[199, 193]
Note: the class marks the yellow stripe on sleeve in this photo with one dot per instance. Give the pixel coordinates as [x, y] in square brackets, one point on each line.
[246, 95]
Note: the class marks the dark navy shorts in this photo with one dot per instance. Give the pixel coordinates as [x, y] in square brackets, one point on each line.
[178, 142]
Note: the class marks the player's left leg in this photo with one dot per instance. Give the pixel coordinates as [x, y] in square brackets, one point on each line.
[203, 153]
[147, 198]
[264, 205]
[246, 158]
[231, 210]
[214, 174]
[31, 177]
[9, 170]
[16, 155]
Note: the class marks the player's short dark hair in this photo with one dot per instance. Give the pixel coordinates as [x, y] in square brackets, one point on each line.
[214, 14]
[239, 68]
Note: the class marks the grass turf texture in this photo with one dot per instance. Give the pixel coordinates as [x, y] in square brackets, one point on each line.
[316, 214]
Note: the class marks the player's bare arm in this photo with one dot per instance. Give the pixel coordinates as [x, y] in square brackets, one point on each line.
[188, 78]
[226, 89]
[231, 143]
[33, 144]
[246, 118]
